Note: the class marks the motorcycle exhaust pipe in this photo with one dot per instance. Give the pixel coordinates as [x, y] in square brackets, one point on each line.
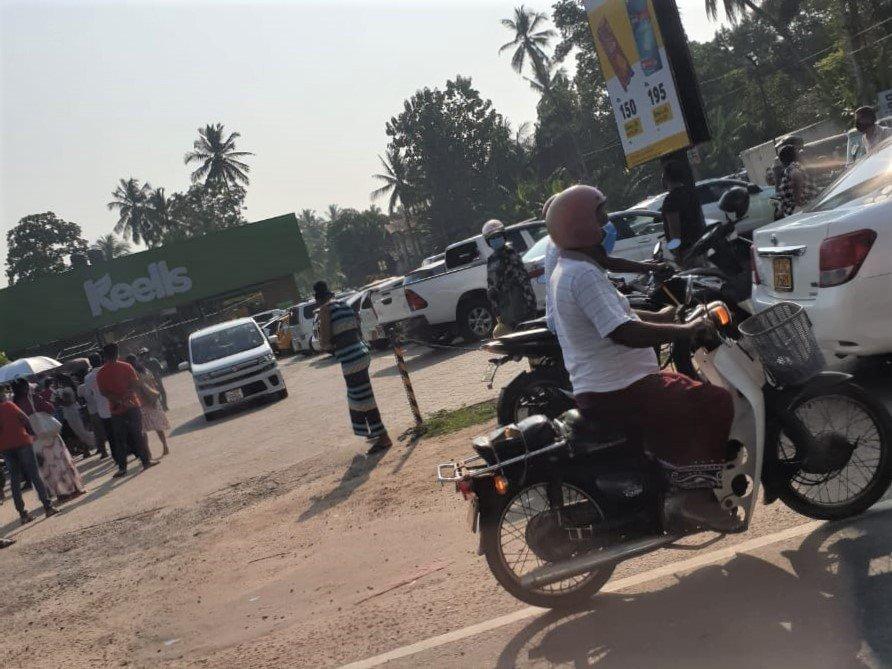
[583, 564]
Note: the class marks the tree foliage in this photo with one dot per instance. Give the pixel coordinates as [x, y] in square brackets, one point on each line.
[358, 239]
[38, 246]
[111, 247]
[217, 157]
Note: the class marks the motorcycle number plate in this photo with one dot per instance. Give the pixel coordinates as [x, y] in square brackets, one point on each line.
[473, 513]
[783, 274]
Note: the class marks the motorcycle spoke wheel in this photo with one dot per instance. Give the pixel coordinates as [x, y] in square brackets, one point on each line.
[517, 555]
[835, 416]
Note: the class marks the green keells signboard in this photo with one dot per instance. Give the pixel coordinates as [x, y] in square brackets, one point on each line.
[88, 298]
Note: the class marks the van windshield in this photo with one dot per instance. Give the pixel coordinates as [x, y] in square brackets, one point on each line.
[216, 345]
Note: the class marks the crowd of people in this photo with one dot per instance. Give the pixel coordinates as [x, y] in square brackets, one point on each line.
[111, 407]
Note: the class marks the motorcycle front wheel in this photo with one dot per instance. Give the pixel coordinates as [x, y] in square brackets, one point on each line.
[523, 534]
[851, 466]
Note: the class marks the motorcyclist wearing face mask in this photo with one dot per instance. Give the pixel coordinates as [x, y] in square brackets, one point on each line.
[608, 352]
[507, 282]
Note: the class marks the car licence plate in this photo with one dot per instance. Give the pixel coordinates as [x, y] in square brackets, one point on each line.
[234, 395]
[783, 274]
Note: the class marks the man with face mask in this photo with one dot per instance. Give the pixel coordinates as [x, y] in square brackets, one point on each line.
[609, 353]
[507, 282]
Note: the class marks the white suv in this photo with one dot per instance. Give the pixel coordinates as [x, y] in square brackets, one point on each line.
[835, 259]
[232, 362]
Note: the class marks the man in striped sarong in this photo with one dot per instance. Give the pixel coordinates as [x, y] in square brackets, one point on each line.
[340, 333]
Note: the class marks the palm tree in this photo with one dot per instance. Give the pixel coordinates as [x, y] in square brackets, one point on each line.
[131, 202]
[397, 181]
[111, 246]
[529, 41]
[217, 157]
[159, 213]
[334, 212]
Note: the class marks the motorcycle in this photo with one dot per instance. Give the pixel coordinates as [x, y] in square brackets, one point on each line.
[545, 389]
[559, 503]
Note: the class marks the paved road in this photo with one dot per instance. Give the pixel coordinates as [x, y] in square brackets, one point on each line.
[817, 595]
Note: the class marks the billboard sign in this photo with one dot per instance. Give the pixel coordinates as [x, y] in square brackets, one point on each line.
[86, 299]
[638, 71]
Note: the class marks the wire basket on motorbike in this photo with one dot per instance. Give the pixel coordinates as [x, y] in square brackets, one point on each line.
[783, 340]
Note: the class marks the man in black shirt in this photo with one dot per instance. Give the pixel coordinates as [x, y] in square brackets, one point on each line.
[682, 215]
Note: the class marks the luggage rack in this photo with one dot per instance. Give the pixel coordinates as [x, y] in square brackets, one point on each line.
[464, 469]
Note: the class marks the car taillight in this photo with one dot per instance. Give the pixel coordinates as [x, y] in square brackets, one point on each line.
[415, 300]
[757, 280]
[536, 272]
[842, 256]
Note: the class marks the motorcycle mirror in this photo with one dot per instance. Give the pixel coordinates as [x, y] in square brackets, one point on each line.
[673, 244]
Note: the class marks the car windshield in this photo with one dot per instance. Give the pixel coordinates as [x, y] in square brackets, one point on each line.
[869, 180]
[537, 250]
[653, 203]
[223, 343]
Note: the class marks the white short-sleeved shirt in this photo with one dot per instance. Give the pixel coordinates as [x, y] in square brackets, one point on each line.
[586, 308]
[551, 258]
[93, 397]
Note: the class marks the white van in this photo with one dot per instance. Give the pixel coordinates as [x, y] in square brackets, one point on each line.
[232, 362]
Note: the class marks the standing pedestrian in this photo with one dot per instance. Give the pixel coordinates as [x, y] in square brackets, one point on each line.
[507, 281]
[57, 471]
[67, 399]
[153, 417]
[16, 439]
[871, 133]
[118, 381]
[153, 365]
[340, 333]
[682, 214]
[47, 389]
[89, 392]
[796, 188]
[103, 409]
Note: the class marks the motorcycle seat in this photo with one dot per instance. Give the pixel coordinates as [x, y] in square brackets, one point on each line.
[591, 436]
[538, 341]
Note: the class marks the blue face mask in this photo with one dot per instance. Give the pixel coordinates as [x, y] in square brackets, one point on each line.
[496, 242]
[609, 238]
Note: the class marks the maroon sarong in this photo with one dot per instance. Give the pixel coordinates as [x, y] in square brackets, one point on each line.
[679, 420]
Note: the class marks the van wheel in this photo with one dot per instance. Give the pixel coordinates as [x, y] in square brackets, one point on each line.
[476, 319]
[282, 394]
[211, 416]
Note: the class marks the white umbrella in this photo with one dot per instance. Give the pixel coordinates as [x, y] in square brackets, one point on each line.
[24, 367]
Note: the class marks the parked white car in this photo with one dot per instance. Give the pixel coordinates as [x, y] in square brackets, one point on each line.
[372, 332]
[835, 259]
[232, 362]
[709, 191]
[454, 301]
[389, 298]
[300, 326]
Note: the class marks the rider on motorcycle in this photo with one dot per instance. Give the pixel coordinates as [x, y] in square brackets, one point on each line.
[609, 353]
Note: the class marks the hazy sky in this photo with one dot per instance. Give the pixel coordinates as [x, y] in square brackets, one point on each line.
[94, 91]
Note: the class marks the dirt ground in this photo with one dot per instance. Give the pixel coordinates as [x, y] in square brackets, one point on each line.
[264, 540]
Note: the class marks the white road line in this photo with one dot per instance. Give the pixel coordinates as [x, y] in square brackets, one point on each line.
[613, 586]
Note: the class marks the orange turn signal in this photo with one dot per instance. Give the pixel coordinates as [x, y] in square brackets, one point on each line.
[501, 484]
[721, 315]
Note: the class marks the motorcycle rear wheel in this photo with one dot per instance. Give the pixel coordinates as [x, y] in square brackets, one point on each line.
[845, 414]
[506, 527]
[533, 393]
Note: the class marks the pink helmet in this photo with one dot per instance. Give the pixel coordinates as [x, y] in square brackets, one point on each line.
[571, 217]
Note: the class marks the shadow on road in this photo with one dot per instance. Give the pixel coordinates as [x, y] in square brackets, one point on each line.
[833, 610]
[357, 473]
[200, 422]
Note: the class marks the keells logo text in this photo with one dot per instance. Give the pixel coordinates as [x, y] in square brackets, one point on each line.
[160, 283]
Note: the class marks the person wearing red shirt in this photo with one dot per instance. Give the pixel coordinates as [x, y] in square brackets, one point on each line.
[118, 382]
[16, 437]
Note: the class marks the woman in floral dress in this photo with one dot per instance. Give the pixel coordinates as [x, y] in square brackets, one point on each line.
[57, 469]
[153, 417]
